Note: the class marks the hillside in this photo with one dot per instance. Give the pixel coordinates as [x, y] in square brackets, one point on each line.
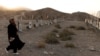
[80, 16]
[45, 13]
[84, 42]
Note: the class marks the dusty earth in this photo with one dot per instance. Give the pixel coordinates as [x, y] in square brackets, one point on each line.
[84, 40]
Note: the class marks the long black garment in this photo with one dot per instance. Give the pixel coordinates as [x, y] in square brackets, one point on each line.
[12, 33]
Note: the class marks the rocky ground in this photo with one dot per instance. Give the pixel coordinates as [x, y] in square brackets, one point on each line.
[86, 41]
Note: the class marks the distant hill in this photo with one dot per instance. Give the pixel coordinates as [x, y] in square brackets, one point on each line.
[80, 16]
[45, 13]
[49, 13]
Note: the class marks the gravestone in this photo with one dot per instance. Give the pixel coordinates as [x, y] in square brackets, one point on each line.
[30, 25]
[20, 25]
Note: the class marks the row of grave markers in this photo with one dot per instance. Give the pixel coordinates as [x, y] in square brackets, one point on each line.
[35, 23]
[94, 22]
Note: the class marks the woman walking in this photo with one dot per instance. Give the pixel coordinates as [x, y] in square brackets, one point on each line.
[15, 43]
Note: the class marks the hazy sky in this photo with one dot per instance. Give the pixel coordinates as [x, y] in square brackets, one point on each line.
[61, 5]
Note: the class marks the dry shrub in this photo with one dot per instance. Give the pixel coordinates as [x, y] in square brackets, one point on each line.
[66, 35]
[72, 27]
[70, 45]
[41, 44]
[81, 28]
[51, 38]
[66, 38]
[55, 31]
[58, 26]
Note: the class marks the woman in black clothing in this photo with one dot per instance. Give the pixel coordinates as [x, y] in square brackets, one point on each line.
[13, 38]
